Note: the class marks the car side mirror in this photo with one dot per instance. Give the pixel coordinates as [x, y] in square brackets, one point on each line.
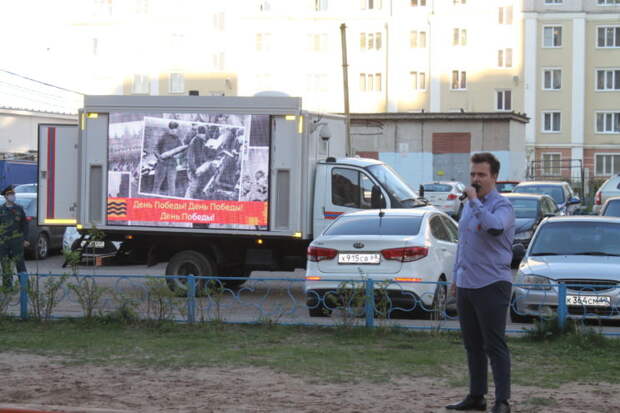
[574, 201]
[518, 250]
[421, 191]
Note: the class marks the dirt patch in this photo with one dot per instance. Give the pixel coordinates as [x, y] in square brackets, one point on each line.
[35, 381]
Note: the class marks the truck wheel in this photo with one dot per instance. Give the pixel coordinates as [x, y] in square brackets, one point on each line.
[235, 272]
[188, 263]
[41, 247]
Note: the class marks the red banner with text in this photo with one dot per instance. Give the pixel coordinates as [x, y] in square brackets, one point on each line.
[187, 211]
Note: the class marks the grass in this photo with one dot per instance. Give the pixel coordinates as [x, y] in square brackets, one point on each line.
[313, 353]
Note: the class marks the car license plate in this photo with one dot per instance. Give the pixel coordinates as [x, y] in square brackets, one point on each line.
[359, 258]
[93, 244]
[588, 300]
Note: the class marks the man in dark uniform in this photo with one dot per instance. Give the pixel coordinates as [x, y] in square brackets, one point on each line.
[13, 231]
[196, 157]
[166, 167]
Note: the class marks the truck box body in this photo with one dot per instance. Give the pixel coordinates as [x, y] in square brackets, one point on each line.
[261, 184]
[17, 172]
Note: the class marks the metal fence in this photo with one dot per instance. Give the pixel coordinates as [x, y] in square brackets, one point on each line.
[356, 302]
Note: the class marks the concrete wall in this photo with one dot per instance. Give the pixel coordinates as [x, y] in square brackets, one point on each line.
[18, 129]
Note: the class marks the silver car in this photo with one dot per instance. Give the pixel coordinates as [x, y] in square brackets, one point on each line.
[610, 188]
[445, 196]
[580, 252]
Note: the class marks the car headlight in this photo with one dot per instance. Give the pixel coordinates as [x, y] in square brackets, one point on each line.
[536, 282]
[524, 235]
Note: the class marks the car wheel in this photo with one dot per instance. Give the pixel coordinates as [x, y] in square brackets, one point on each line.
[316, 305]
[41, 247]
[516, 317]
[188, 263]
[440, 299]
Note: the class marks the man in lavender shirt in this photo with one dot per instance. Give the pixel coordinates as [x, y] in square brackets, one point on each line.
[483, 282]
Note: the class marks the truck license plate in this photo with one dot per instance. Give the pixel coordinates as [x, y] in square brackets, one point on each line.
[359, 258]
[588, 300]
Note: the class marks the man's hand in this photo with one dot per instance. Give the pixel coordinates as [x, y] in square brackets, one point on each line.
[452, 290]
[26, 244]
[471, 192]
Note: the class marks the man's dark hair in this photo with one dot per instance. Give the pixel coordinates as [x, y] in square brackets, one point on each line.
[173, 125]
[489, 158]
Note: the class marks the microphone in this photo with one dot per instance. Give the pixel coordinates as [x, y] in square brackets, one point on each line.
[464, 195]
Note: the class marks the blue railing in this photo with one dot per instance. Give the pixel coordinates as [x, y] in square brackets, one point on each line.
[364, 301]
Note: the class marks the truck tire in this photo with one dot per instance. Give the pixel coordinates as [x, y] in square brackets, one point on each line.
[236, 272]
[189, 263]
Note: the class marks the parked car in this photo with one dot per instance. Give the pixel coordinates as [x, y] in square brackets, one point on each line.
[408, 249]
[611, 187]
[582, 252]
[561, 192]
[530, 210]
[42, 239]
[444, 195]
[26, 188]
[93, 248]
[611, 208]
[506, 186]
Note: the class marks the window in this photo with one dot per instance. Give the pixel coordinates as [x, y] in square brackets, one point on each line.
[370, 41]
[141, 83]
[320, 5]
[317, 42]
[608, 122]
[455, 2]
[552, 79]
[505, 15]
[218, 61]
[459, 80]
[608, 79]
[417, 39]
[264, 5]
[316, 83]
[607, 164]
[95, 46]
[351, 188]
[371, 4]
[503, 100]
[263, 42]
[504, 58]
[177, 83]
[418, 80]
[371, 82]
[608, 36]
[551, 164]
[218, 21]
[552, 36]
[554, 1]
[459, 37]
[551, 121]
[438, 229]
[608, 2]
[142, 7]
[416, 3]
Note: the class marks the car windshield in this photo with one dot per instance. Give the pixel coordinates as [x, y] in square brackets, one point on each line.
[26, 188]
[553, 191]
[394, 184]
[374, 225]
[437, 188]
[28, 204]
[505, 186]
[612, 209]
[577, 238]
[524, 208]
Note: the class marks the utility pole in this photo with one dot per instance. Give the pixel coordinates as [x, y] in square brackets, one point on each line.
[345, 79]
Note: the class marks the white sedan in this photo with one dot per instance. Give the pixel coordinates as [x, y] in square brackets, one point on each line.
[408, 253]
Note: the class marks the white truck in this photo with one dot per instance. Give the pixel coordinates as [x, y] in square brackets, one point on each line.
[216, 186]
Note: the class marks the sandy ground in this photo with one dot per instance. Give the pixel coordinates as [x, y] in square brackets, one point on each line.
[35, 382]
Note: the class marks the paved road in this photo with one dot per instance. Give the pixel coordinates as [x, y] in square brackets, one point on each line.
[268, 296]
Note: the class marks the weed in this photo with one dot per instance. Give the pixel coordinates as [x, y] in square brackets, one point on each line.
[43, 296]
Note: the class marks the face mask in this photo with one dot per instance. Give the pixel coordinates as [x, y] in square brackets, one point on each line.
[10, 198]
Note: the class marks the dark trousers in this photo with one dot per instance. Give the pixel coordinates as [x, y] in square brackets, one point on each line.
[482, 314]
[11, 252]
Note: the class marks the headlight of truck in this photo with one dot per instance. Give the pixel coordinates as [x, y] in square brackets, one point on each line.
[536, 282]
[524, 235]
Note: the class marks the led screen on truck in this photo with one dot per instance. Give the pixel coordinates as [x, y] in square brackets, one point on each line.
[190, 170]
